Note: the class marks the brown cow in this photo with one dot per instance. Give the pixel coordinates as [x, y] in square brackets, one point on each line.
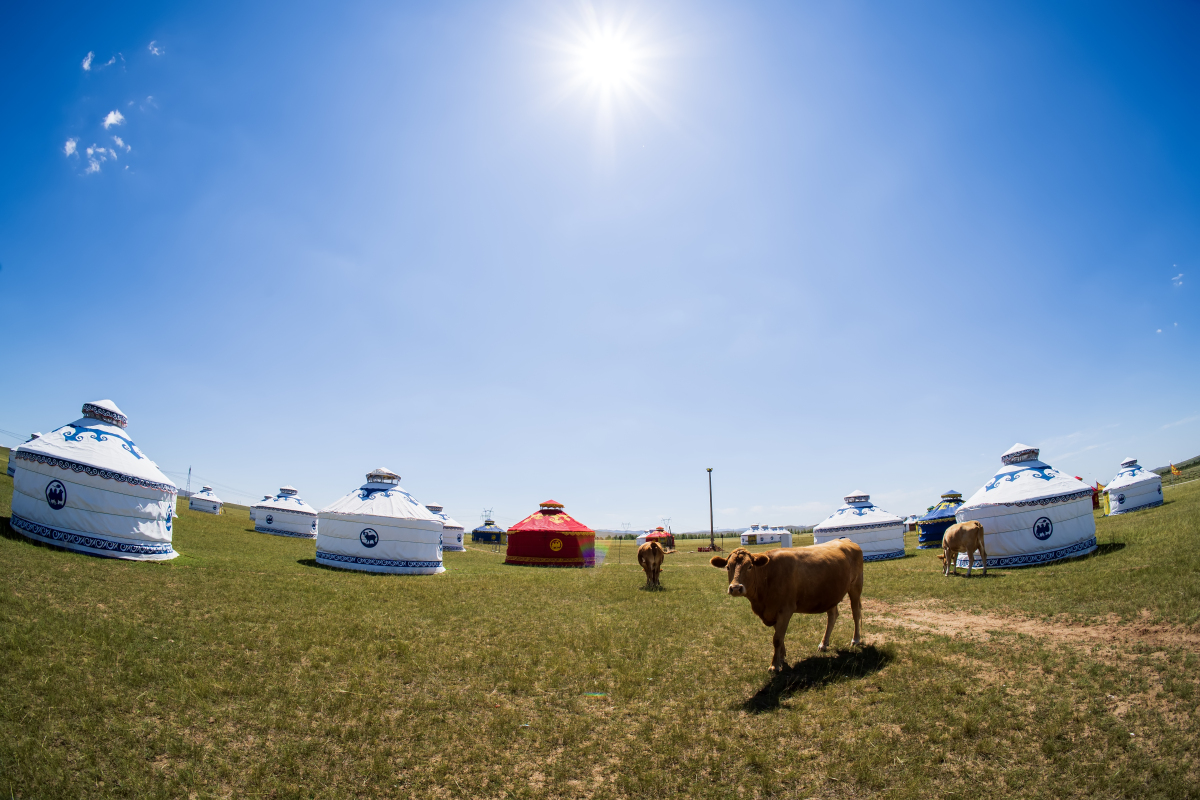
[801, 580]
[965, 537]
[650, 556]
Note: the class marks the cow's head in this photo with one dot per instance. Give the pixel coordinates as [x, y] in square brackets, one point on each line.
[741, 565]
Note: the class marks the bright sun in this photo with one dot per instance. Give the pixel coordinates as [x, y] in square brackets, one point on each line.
[607, 62]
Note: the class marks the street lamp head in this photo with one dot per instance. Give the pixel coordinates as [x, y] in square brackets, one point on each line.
[709, 469]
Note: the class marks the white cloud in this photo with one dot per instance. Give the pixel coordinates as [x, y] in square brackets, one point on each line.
[97, 155]
[1183, 421]
[87, 61]
[92, 167]
[1177, 280]
[114, 118]
[155, 49]
[69, 147]
[121, 143]
[1159, 330]
[110, 62]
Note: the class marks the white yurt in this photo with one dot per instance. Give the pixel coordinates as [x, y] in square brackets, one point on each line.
[379, 527]
[878, 533]
[1134, 488]
[453, 533]
[205, 501]
[12, 454]
[765, 534]
[87, 487]
[1031, 513]
[285, 514]
[264, 499]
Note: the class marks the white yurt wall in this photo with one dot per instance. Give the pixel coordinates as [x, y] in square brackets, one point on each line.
[1031, 513]
[453, 534]
[87, 487]
[878, 533]
[379, 527]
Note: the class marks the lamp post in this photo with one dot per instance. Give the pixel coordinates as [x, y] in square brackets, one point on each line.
[712, 539]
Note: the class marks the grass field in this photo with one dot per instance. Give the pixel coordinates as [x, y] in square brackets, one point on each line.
[242, 669]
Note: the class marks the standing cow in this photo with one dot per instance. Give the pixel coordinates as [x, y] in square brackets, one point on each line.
[965, 537]
[650, 556]
[803, 580]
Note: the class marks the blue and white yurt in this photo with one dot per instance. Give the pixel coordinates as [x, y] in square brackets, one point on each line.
[87, 487]
[379, 527]
[205, 501]
[1134, 488]
[1031, 513]
[453, 533]
[933, 523]
[765, 534]
[878, 533]
[489, 533]
[264, 499]
[12, 455]
[285, 514]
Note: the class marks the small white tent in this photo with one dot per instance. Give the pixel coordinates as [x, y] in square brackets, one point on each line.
[379, 527]
[878, 533]
[765, 534]
[205, 501]
[1031, 513]
[453, 533]
[1134, 488]
[285, 514]
[87, 487]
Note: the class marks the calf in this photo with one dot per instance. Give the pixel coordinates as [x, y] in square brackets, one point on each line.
[965, 537]
[802, 580]
[650, 556]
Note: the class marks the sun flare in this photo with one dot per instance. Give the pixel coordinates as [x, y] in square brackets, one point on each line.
[607, 62]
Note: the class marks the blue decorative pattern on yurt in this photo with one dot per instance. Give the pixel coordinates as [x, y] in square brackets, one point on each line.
[932, 524]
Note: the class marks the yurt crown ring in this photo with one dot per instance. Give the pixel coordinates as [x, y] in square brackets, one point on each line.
[1030, 454]
[103, 414]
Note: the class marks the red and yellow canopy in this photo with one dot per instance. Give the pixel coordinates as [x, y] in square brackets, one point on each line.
[550, 537]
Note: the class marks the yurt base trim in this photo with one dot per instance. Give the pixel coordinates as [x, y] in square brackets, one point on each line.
[92, 545]
[532, 561]
[278, 532]
[1033, 559]
[393, 566]
[457, 548]
[930, 545]
[884, 556]
[1151, 504]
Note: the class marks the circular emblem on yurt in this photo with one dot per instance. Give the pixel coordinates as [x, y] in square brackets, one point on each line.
[1043, 528]
[314, 526]
[269, 519]
[368, 537]
[1120, 499]
[556, 545]
[56, 494]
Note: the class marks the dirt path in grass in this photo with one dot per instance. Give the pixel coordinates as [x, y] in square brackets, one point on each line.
[1111, 632]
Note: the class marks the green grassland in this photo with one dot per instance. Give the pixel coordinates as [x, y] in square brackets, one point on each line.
[243, 669]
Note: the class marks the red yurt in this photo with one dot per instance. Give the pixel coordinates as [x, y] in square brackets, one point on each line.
[550, 537]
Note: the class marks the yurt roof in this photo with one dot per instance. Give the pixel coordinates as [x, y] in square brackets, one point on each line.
[551, 518]
[287, 500]
[1131, 474]
[658, 534]
[950, 502]
[207, 493]
[97, 442]
[1025, 480]
[858, 514]
[377, 498]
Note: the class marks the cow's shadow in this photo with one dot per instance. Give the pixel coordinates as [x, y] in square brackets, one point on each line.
[817, 671]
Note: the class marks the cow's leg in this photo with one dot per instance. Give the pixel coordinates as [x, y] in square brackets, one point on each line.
[945, 563]
[970, 562]
[856, 610]
[779, 659]
[832, 618]
[983, 555]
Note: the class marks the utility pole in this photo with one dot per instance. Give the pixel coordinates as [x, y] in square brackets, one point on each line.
[188, 490]
[712, 539]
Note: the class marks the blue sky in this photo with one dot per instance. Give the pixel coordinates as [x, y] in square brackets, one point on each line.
[818, 247]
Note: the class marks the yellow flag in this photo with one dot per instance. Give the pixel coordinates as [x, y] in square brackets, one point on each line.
[1174, 470]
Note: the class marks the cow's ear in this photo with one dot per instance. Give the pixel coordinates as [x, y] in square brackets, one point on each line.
[718, 562]
[761, 560]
